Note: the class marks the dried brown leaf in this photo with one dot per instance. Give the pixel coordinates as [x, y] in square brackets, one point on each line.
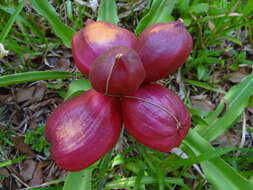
[39, 93]
[27, 169]
[62, 64]
[37, 176]
[4, 172]
[24, 94]
[229, 139]
[236, 77]
[204, 105]
[21, 146]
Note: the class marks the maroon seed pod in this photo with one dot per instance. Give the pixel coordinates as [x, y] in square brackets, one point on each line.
[83, 129]
[119, 70]
[163, 48]
[96, 38]
[156, 117]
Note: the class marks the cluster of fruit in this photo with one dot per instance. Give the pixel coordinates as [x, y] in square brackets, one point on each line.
[121, 68]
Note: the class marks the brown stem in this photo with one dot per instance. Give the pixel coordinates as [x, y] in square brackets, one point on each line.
[117, 58]
[159, 106]
[152, 103]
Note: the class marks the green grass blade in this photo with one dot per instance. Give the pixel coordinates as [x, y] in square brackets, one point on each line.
[104, 165]
[234, 26]
[47, 188]
[50, 183]
[14, 161]
[19, 18]
[64, 32]
[203, 85]
[33, 76]
[236, 100]
[130, 182]
[69, 10]
[147, 159]
[159, 12]
[10, 22]
[249, 8]
[204, 157]
[108, 11]
[216, 170]
[79, 180]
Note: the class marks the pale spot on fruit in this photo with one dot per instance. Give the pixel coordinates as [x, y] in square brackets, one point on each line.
[69, 134]
[161, 27]
[100, 33]
[119, 55]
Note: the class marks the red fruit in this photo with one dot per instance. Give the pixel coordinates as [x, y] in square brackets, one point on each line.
[119, 70]
[163, 48]
[156, 117]
[96, 38]
[83, 129]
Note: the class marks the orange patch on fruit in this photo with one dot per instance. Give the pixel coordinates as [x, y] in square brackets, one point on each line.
[100, 33]
[69, 134]
[161, 27]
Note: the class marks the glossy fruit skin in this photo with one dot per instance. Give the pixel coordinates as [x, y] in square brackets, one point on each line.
[152, 126]
[83, 129]
[163, 48]
[96, 38]
[119, 70]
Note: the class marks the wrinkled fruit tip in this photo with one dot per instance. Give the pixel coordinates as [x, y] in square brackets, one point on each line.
[110, 71]
[88, 22]
[179, 23]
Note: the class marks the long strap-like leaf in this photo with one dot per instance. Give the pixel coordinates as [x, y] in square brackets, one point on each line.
[236, 100]
[44, 8]
[216, 170]
[108, 11]
[159, 12]
[33, 76]
[10, 22]
[79, 180]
